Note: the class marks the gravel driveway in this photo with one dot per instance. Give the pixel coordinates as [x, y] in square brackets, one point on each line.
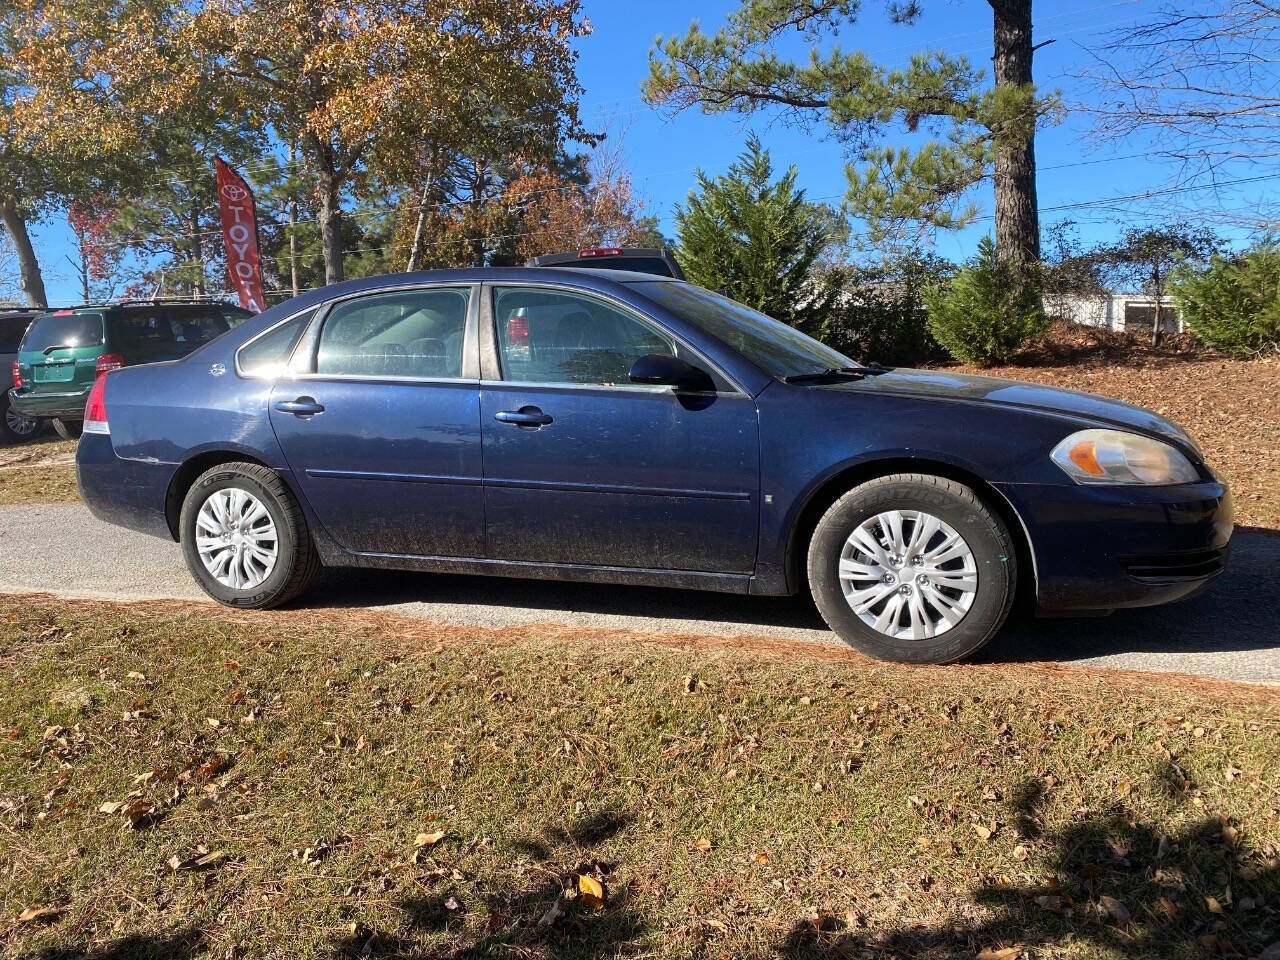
[1231, 632]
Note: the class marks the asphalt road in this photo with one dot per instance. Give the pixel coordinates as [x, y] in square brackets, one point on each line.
[1232, 631]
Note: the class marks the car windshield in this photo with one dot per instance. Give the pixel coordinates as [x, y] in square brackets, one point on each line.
[64, 330]
[774, 347]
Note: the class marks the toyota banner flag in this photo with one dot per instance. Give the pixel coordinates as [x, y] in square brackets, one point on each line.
[240, 236]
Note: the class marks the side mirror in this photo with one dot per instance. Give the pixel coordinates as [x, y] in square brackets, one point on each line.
[663, 370]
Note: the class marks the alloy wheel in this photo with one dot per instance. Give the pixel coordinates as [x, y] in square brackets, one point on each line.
[908, 575]
[236, 538]
[18, 424]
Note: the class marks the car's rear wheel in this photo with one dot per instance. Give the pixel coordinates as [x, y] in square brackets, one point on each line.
[914, 568]
[68, 429]
[244, 537]
[14, 427]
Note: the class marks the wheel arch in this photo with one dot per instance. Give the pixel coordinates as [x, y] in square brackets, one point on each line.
[187, 474]
[852, 475]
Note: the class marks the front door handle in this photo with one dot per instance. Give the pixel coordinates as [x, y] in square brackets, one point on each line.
[524, 417]
[302, 407]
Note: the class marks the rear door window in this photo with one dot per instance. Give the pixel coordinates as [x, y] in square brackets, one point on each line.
[52, 330]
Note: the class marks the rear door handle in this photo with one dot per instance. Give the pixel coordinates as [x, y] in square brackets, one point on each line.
[524, 417]
[302, 407]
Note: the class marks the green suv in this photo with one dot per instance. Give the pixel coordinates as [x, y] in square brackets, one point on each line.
[65, 350]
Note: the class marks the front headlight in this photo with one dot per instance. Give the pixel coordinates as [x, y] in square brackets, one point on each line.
[1113, 456]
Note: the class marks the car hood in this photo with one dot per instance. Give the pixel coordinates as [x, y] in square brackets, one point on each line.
[1099, 411]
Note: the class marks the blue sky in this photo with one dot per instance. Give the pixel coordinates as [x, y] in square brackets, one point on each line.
[663, 151]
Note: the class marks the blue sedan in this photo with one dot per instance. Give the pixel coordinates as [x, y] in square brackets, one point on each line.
[624, 428]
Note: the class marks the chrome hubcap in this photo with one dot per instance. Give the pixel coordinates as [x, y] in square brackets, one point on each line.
[22, 426]
[908, 575]
[236, 538]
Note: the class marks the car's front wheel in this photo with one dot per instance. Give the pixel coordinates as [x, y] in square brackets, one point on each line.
[914, 568]
[244, 537]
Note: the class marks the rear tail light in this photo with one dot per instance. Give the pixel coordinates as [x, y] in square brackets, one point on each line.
[95, 408]
[17, 376]
[600, 252]
[108, 362]
[517, 330]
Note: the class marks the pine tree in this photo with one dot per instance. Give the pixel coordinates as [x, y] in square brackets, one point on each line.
[977, 130]
[757, 239]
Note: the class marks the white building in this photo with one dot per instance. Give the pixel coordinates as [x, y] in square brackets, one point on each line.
[1117, 312]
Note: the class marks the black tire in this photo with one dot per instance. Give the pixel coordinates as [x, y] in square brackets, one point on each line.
[68, 429]
[954, 504]
[16, 428]
[297, 562]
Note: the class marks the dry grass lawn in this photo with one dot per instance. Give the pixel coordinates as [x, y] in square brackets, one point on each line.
[181, 781]
[41, 471]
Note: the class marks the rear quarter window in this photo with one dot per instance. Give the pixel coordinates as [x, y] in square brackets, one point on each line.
[268, 355]
[64, 330]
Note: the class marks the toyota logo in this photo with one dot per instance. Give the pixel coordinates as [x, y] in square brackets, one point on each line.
[233, 191]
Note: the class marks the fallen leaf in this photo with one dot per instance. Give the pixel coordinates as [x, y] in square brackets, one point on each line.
[592, 891]
[1114, 909]
[1212, 905]
[983, 832]
[553, 914]
[761, 858]
[137, 812]
[1020, 853]
[40, 914]
[110, 807]
[429, 839]
[1001, 953]
[704, 845]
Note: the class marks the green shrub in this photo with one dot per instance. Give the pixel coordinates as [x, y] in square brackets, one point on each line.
[988, 310]
[1234, 305]
[880, 313]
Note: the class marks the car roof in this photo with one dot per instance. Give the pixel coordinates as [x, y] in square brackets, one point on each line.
[572, 276]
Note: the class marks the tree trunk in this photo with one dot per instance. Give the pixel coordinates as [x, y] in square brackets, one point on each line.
[197, 248]
[293, 217]
[1155, 326]
[328, 188]
[31, 282]
[1017, 213]
[415, 251]
[81, 264]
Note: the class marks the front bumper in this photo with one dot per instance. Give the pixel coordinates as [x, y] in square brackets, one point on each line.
[64, 406]
[1099, 548]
